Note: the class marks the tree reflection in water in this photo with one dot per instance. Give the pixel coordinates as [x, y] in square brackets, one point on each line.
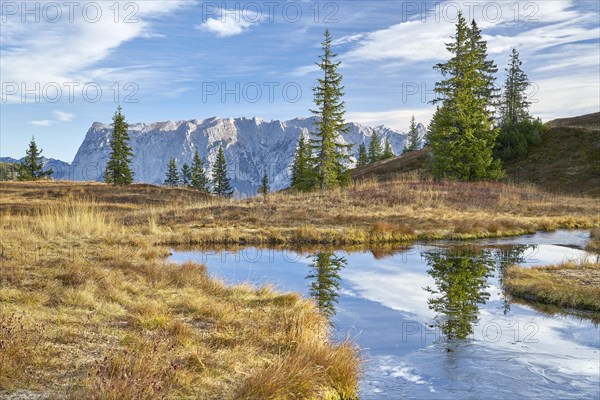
[325, 280]
[460, 275]
[507, 256]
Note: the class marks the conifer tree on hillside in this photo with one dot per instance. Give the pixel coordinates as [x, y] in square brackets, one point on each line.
[303, 176]
[198, 180]
[329, 154]
[362, 157]
[220, 181]
[387, 150]
[375, 152]
[264, 184]
[186, 175]
[515, 105]
[32, 167]
[172, 176]
[517, 129]
[118, 170]
[462, 134]
[413, 136]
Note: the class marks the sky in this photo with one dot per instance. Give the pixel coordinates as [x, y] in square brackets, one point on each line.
[65, 65]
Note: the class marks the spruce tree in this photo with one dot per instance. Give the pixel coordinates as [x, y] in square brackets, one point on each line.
[220, 181]
[198, 180]
[517, 129]
[172, 175]
[375, 152]
[264, 184]
[32, 167]
[118, 170]
[413, 136]
[303, 176]
[329, 170]
[515, 106]
[186, 175]
[462, 134]
[363, 156]
[387, 150]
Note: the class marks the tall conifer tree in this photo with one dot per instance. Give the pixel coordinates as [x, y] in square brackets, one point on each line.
[172, 176]
[363, 156]
[375, 152]
[328, 93]
[32, 167]
[198, 181]
[220, 181]
[517, 128]
[186, 175]
[387, 150]
[303, 174]
[462, 134]
[413, 136]
[264, 184]
[118, 170]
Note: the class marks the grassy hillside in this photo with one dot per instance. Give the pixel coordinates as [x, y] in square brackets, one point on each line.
[415, 163]
[566, 161]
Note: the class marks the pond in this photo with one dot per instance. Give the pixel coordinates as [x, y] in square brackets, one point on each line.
[432, 319]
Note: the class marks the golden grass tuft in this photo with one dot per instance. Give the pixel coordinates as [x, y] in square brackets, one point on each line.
[76, 218]
[310, 371]
[140, 372]
[594, 242]
[573, 284]
[19, 349]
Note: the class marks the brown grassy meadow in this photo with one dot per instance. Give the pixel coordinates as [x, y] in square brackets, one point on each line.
[89, 308]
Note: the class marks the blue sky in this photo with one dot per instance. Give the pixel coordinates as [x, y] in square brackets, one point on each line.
[178, 60]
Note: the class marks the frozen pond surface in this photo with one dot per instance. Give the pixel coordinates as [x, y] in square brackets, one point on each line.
[432, 319]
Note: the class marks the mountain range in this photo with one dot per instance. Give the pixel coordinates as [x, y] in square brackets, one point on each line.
[251, 146]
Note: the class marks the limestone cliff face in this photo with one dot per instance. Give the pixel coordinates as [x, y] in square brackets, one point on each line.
[251, 146]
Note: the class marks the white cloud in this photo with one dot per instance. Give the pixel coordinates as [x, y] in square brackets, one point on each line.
[40, 53]
[64, 116]
[395, 119]
[43, 122]
[304, 70]
[419, 40]
[348, 39]
[230, 22]
[559, 97]
[557, 49]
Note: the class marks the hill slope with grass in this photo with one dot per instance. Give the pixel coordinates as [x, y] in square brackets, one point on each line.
[567, 160]
[413, 163]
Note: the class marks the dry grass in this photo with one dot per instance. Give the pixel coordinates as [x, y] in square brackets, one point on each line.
[570, 284]
[363, 213]
[594, 242]
[120, 322]
[19, 340]
[86, 262]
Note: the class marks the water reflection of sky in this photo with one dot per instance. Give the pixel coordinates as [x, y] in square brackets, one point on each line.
[383, 307]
